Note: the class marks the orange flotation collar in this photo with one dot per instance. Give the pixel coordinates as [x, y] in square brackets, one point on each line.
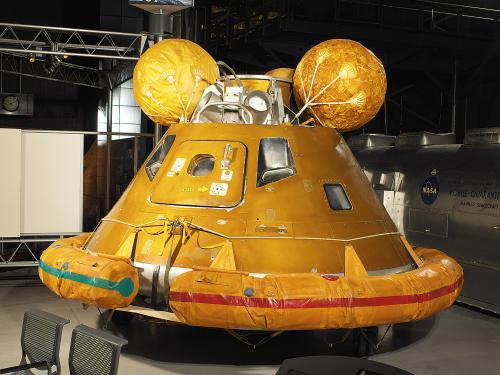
[214, 298]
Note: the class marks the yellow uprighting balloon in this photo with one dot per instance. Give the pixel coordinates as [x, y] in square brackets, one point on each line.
[169, 79]
[341, 83]
[281, 73]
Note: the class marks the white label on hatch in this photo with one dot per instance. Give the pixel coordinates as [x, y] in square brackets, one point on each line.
[218, 188]
[226, 175]
[178, 164]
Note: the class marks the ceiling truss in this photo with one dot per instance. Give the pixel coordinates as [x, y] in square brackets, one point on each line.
[28, 50]
[68, 73]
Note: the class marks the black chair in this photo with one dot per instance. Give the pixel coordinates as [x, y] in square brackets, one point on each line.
[94, 352]
[40, 343]
[336, 365]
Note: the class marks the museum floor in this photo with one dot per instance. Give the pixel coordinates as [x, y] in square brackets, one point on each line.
[458, 341]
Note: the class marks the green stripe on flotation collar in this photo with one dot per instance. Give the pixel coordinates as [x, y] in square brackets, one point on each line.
[125, 286]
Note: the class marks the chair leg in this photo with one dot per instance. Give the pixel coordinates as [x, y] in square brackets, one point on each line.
[27, 366]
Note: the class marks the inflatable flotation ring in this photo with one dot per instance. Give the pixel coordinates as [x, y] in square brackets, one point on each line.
[215, 298]
[102, 280]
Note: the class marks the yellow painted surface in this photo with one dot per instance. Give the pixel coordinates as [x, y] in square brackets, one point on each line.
[223, 187]
[313, 234]
[261, 245]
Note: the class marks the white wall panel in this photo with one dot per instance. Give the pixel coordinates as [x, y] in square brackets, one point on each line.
[52, 186]
[10, 182]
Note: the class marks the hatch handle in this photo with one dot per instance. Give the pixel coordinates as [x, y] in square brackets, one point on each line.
[226, 159]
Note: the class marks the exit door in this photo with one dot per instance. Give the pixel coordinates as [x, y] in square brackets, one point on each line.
[204, 174]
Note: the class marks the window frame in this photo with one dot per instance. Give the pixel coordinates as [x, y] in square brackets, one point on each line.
[337, 184]
[195, 163]
[158, 150]
[244, 174]
[290, 160]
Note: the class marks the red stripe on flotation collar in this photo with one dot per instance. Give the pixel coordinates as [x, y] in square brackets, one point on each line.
[303, 303]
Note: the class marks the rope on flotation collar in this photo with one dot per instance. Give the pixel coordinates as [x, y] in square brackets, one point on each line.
[167, 230]
[225, 258]
[208, 230]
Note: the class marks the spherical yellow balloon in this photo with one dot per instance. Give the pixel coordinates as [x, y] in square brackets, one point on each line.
[340, 83]
[281, 73]
[169, 79]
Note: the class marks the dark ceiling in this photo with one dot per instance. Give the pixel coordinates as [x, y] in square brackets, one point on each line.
[441, 58]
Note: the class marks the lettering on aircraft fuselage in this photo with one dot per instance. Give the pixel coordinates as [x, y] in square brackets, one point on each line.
[483, 194]
[430, 190]
[475, 194]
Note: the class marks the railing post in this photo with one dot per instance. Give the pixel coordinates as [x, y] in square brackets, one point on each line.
[136, 154]
[109, 129]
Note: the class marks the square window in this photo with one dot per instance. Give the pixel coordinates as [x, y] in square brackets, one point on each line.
[337, 198]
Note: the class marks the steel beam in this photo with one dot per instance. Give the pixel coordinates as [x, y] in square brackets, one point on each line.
[479, 72]
[412, 112]
[68, 73]
[109, 128]
[64, 53]
[454, 104]
[46, 40]
[121, 72]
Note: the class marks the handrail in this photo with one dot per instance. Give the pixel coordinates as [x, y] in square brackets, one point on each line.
[53, 28]
[84, 132]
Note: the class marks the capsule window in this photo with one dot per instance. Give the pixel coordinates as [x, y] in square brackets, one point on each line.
[154, 163]
[275, 161]
[201, 165]
[337, 198]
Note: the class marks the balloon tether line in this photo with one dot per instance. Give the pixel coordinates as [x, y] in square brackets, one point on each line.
[310, 102]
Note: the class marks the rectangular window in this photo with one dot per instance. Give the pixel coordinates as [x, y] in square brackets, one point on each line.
[275, 161]
[337, 198]
[155, 162]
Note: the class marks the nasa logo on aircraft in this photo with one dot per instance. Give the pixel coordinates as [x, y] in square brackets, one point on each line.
[430, 190]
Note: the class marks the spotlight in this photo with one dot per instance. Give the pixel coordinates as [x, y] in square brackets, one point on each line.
[51, 64]
[31, 58]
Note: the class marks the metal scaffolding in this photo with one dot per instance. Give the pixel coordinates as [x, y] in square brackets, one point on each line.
[69, 73]
[41, 51]
[24, 247]
[60, 41]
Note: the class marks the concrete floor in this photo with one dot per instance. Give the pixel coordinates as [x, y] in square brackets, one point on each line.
[457, 341]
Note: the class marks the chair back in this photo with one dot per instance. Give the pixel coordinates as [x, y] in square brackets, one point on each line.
[94, 352]
[331, 365]
[41, 337]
